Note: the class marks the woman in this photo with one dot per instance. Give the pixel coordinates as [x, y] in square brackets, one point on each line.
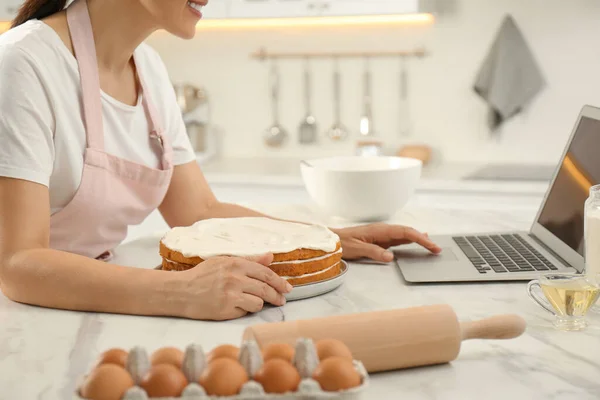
[93, 141]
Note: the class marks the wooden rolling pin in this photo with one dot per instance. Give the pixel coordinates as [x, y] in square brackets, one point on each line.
[394, 339]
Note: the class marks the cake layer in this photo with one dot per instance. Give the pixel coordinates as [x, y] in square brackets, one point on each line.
[285, 268]
[246, 237]
[294, 280]
[301, 267]
[299, 254]
[328, 273]
[175, 266]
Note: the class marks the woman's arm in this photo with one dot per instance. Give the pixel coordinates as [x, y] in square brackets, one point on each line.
[190, 199]
[32, 273]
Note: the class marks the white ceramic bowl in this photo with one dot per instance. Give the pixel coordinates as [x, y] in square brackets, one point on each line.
[361, 188]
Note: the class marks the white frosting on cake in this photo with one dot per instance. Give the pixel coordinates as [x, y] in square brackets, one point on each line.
[245, 237]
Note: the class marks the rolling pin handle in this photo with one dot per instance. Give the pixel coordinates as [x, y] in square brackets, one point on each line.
[499, 327]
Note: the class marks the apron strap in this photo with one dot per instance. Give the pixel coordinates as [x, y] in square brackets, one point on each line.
[82, 37]
[156, 128]
[153, 116]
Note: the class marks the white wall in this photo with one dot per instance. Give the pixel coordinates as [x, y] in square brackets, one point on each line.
[564, 36]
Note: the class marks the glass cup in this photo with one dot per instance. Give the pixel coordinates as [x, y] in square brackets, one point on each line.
[567, 296]
[595, 309]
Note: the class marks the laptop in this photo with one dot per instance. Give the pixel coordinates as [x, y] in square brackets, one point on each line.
[554, 243]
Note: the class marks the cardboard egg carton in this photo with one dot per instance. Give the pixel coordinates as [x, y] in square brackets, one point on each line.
[305, 361]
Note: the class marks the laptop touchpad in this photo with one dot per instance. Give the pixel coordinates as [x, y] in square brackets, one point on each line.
[417, 256]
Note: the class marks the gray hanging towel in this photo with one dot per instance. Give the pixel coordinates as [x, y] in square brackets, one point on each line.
[509, 77]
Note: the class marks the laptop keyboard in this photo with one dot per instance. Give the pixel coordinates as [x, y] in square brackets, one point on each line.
[502, 254]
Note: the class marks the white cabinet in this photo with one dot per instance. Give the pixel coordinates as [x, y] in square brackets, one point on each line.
[217, 9]
[369, 7]
[314, 8]
[9, 9]
[270, 8]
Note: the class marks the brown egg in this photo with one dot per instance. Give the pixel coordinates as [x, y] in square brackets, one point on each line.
[335, 374]
[167, 355]
[223, 351]
[223, 377]
[278, 376]
[164, 380]
[106, 382]
[113, 356]
[278, 350]
[332, 348]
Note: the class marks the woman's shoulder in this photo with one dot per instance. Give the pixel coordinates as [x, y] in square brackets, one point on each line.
[155, 73]
[150, 60]
[28, 44]
[25, 34]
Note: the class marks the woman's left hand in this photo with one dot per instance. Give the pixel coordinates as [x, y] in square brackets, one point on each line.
[373, 241]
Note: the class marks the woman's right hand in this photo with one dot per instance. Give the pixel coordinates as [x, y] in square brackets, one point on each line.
[223, 288]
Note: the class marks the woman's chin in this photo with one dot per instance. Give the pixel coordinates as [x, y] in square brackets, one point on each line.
[184, 32]
[189, 35]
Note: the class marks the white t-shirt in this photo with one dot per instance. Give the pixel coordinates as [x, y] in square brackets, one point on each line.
[42, 134]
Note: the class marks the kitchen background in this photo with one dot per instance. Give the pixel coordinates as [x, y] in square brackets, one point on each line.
[445, 112]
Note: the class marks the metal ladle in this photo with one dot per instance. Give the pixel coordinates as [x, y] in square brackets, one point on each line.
[404, 111]
[366, 120]
[338, 131]
[307, 131]
[275, 135]
[368, 145]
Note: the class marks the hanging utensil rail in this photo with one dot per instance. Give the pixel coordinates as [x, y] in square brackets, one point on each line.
[263, 55]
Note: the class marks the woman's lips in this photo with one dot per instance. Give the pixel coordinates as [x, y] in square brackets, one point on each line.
[196, 8]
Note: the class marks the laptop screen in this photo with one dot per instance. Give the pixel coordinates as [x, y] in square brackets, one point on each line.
[563, 212]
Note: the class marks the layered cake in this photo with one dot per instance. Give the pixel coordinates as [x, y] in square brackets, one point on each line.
[303, 253]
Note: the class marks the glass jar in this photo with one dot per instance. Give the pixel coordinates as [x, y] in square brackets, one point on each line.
[592, 233]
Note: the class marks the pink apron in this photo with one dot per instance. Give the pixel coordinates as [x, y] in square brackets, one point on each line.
[114, 193]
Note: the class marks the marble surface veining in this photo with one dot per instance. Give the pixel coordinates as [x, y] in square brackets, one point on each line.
[43, 353]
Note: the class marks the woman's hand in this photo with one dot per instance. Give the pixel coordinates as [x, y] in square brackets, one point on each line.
[374, 240]
[223, 288]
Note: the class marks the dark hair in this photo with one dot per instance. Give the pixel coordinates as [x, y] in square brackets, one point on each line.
[37, 9]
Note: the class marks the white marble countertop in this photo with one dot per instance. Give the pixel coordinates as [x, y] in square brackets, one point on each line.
[44, 352]
[285, 172]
